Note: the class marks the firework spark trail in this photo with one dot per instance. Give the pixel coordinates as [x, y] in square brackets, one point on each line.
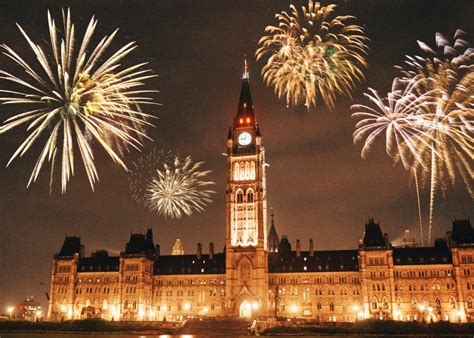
[313, 53]
[420, 220]
[449, 71]
[75, 99]
[170, 185]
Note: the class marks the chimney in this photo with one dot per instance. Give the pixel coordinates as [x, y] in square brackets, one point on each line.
[311, 247]
[211, 250]
[199, 251]
[157, 250]
[298, 248]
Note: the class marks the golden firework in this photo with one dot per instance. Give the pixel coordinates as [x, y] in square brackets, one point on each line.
[75, 99]
[313, 54]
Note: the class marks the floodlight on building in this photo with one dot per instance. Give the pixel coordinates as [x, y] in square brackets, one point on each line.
[204, 309]
[396, 314]
[141, 314]
[63, 309]
[39, 313]
[187, 306]
[115, 311]
[355, 307]
[421, 307]
[430, 309]
[294, 308]
[255, 305]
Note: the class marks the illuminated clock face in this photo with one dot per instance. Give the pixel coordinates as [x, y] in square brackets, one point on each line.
[245, 138]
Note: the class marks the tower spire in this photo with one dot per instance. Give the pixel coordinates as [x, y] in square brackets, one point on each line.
[245, 75]
[245, 107]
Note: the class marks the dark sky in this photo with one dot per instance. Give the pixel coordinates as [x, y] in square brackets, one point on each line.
[317, 182]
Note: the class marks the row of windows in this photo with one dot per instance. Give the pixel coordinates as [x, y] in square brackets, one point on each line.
[130, 278]
[248, 196]
[467, 259]
[244, 171]
[424, 286]
[315, 280]
[376, 261]
[131, 267]
[424, 273]
[97, 279]
[161, 282]
[64, 268]
[318, 292]
[97, 289]
[190, 293]
[62, 279]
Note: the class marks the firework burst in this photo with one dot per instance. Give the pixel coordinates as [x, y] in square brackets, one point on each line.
[76, 98]
[448, 71]
[313, 54]
[142, 171]
[170, 185]
[400, 118]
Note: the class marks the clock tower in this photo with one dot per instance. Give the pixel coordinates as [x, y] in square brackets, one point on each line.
[246, 213]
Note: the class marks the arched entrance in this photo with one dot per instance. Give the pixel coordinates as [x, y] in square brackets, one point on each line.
[245, 310]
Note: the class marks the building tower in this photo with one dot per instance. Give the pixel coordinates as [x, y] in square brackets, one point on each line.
[246, 213]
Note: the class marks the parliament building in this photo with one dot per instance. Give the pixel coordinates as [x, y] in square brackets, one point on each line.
[262, 275]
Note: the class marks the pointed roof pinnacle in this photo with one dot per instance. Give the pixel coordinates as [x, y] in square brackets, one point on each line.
[245, 75]
[245, 107]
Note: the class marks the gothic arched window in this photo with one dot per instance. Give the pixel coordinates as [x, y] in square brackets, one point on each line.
[249, 196]
[469, 302]
[375, 303]
[252, 170]
[240, 196]
[452, 302]
[247, 170]
[331, 307]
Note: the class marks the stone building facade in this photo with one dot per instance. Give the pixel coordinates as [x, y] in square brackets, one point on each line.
[259, 274]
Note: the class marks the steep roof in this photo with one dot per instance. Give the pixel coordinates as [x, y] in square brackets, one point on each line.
[439, 254]
[462, 232]
[189, 265]
[245, 106]
[139, 244]
[321, 261]
[373, 234]
[100, 261]
[71, 246]
[284, 245]
[272, 238]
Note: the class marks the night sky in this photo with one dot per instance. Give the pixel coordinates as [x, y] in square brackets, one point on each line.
[319, 186]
